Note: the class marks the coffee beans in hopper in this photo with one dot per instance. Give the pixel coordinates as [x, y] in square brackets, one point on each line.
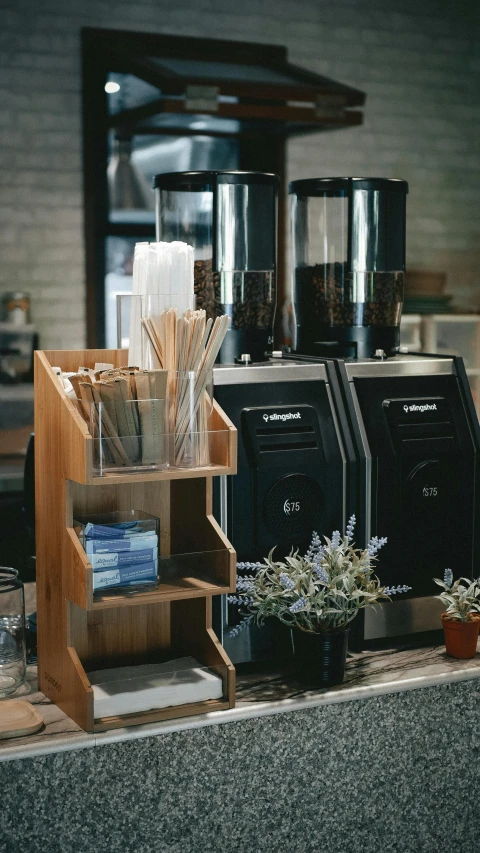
[252, 295]
[328, 294]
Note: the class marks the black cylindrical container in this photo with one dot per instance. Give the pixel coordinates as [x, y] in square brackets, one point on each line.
[230, 219]
[349, 264]
[319, 659]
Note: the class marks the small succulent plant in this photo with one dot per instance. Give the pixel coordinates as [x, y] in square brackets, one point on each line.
[322, 591]
[461, 597]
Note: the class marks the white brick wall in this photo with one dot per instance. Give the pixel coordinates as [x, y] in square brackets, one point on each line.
[419, 64]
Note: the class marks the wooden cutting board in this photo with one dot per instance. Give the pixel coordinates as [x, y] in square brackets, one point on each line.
[18, 718]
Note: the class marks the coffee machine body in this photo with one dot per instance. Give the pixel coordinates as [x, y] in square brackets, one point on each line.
[294, 457]
[412, 418]
[417, 440]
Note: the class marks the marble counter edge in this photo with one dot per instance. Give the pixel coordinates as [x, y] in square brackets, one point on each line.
[244, 710]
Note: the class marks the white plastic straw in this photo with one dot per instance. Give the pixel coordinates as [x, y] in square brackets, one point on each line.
[162, 279]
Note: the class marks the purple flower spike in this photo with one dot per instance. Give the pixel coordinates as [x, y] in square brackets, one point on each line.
[298, 605]
[335, 539]
[321, 574]
[350, 528]
[375, 544]
[392, 590]
[286, 582]
[316, 549]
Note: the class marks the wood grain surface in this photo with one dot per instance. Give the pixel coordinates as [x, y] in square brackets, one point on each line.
[18, 718]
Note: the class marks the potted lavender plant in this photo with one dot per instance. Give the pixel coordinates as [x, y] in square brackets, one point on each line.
[317, 596]
[461, 620]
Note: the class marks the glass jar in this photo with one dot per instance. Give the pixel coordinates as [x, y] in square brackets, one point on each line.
[12, 632]
[16, 308]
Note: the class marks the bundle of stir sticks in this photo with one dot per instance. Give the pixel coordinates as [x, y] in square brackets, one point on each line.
[187, 348]
[125, 409]
[158, 416]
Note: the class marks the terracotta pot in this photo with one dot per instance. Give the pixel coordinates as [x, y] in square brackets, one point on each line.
[461, 637]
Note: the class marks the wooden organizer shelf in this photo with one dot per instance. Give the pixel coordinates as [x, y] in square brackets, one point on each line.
[79, 632]
[63, 418]
[191, 530]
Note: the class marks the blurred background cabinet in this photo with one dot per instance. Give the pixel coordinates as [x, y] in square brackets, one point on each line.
[448, 334]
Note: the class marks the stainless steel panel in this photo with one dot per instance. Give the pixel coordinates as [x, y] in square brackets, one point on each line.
[344, 458]
[403, 365]
[222, 482]
[274, 371]
[368, 466]
[223, 521]
[392, 619]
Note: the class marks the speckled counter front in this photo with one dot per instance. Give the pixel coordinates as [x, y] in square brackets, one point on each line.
[395, 771]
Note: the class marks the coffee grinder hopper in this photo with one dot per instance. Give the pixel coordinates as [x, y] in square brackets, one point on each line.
[230, 219]
[348, 265]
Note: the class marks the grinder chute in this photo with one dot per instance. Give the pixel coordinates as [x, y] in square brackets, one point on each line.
[230, 219]
[349, 265]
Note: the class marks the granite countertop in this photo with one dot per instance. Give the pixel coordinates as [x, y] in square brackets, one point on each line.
[259, 693]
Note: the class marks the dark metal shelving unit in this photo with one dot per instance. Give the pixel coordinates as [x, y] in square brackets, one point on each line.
[248, 92]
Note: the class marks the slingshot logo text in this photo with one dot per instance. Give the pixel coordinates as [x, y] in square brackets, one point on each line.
[284, 416]
[425, 407]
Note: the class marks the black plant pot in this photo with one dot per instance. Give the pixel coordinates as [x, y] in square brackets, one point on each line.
[320, 658]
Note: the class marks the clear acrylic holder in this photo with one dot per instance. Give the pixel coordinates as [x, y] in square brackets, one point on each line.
[190, 574]
[195, 568]
[131, 310]
[190, 449]
[153, 434]
[140, 440]
[130, 690]
[122, 548]
[190, 408]
[124, 308]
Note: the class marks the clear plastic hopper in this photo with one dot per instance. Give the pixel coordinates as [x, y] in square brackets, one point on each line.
[230, 220]
[348, 264]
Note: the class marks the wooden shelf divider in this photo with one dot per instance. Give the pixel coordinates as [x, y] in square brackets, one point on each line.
[79, 632]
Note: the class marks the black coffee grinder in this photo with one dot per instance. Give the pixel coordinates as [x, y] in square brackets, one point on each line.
[230, 219]
[294, 458]
[412, 419]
